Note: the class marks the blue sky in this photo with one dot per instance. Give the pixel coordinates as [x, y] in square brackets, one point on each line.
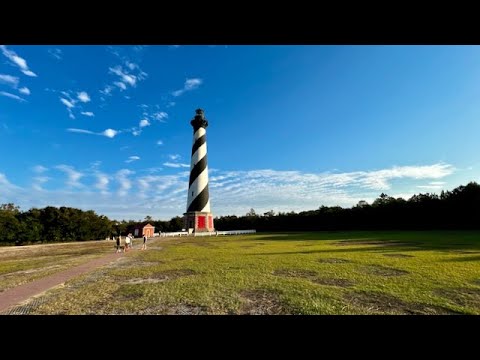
[291, 127]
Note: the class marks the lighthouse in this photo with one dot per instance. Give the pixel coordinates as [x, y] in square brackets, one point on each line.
[198, 216]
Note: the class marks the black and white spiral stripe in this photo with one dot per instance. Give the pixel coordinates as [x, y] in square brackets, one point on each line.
[198, 197]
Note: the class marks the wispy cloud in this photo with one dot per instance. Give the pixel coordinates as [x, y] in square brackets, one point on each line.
[39, 169]
[175, 165]
[153, 113]
[125, 76]
[121, 85]
[12, 96]
[107, 90]
[38, 181]
[83, 97]
[24, 90]
[110, 133]
[159, 142]
[433, 185]
[160, 116]
[102, 182]
[190, 84]
[174, 156]
[17, 60]
[132, 158]
[122, 179]
[55, 53]
[73, 175]
[9, 80]
[171, 104]
[231, 192]
[87, 113]
[95, 164]
[144, 123]
[68, 103]
[82, 131]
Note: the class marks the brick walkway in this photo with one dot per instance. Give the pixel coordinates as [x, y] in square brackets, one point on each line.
[16, 295]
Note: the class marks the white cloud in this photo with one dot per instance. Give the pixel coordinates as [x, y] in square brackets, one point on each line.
[190, 84]
[110, 133]
[95, 164]
[29, 73]
[39, 169]
[125, 77]
[437, 183]
[83, 97]
[81, 131]
[102, 182]
[128, 75]
[136, 132]
[17, 60]
[171, 104]
[38, 181]
[159, 116]
[12, 96]
[73, 175]
[139, 48]
[122, 179]
[159, 142]
[9, 80]
[132, 158]
[107, 90]
[121, 85]
[55, 53]
[175, 165]
[174, 156]
[24, 90]
[430, 187]
[144, 123]
[69, 104]
[87, 113]
[231, 192]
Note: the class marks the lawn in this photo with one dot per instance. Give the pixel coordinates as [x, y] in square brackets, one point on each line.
[287, 273]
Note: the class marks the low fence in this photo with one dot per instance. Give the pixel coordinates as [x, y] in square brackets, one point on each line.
[211, 233]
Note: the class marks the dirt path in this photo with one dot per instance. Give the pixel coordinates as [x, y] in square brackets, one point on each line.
[16, 295]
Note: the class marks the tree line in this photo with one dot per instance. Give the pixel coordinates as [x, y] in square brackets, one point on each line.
[456, 209]
[52, 224]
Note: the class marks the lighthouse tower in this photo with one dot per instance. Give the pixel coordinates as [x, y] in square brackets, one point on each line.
[198, 216]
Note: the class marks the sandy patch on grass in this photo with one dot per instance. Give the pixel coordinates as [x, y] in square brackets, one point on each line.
[261, 302]
[377, 302]
[380, 270]
[333, 261]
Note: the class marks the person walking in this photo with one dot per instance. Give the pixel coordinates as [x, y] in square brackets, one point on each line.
[118, 244]
[144, 247]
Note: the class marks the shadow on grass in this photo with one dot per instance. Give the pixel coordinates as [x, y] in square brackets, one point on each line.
[343, 250]
[464, 259]
[400, 240]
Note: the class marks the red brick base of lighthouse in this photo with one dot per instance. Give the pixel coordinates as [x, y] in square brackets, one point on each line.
[198, 221]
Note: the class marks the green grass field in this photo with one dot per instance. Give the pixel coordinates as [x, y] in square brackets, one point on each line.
[287, 273]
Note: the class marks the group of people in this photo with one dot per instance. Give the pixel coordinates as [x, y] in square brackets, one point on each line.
[128, 243]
